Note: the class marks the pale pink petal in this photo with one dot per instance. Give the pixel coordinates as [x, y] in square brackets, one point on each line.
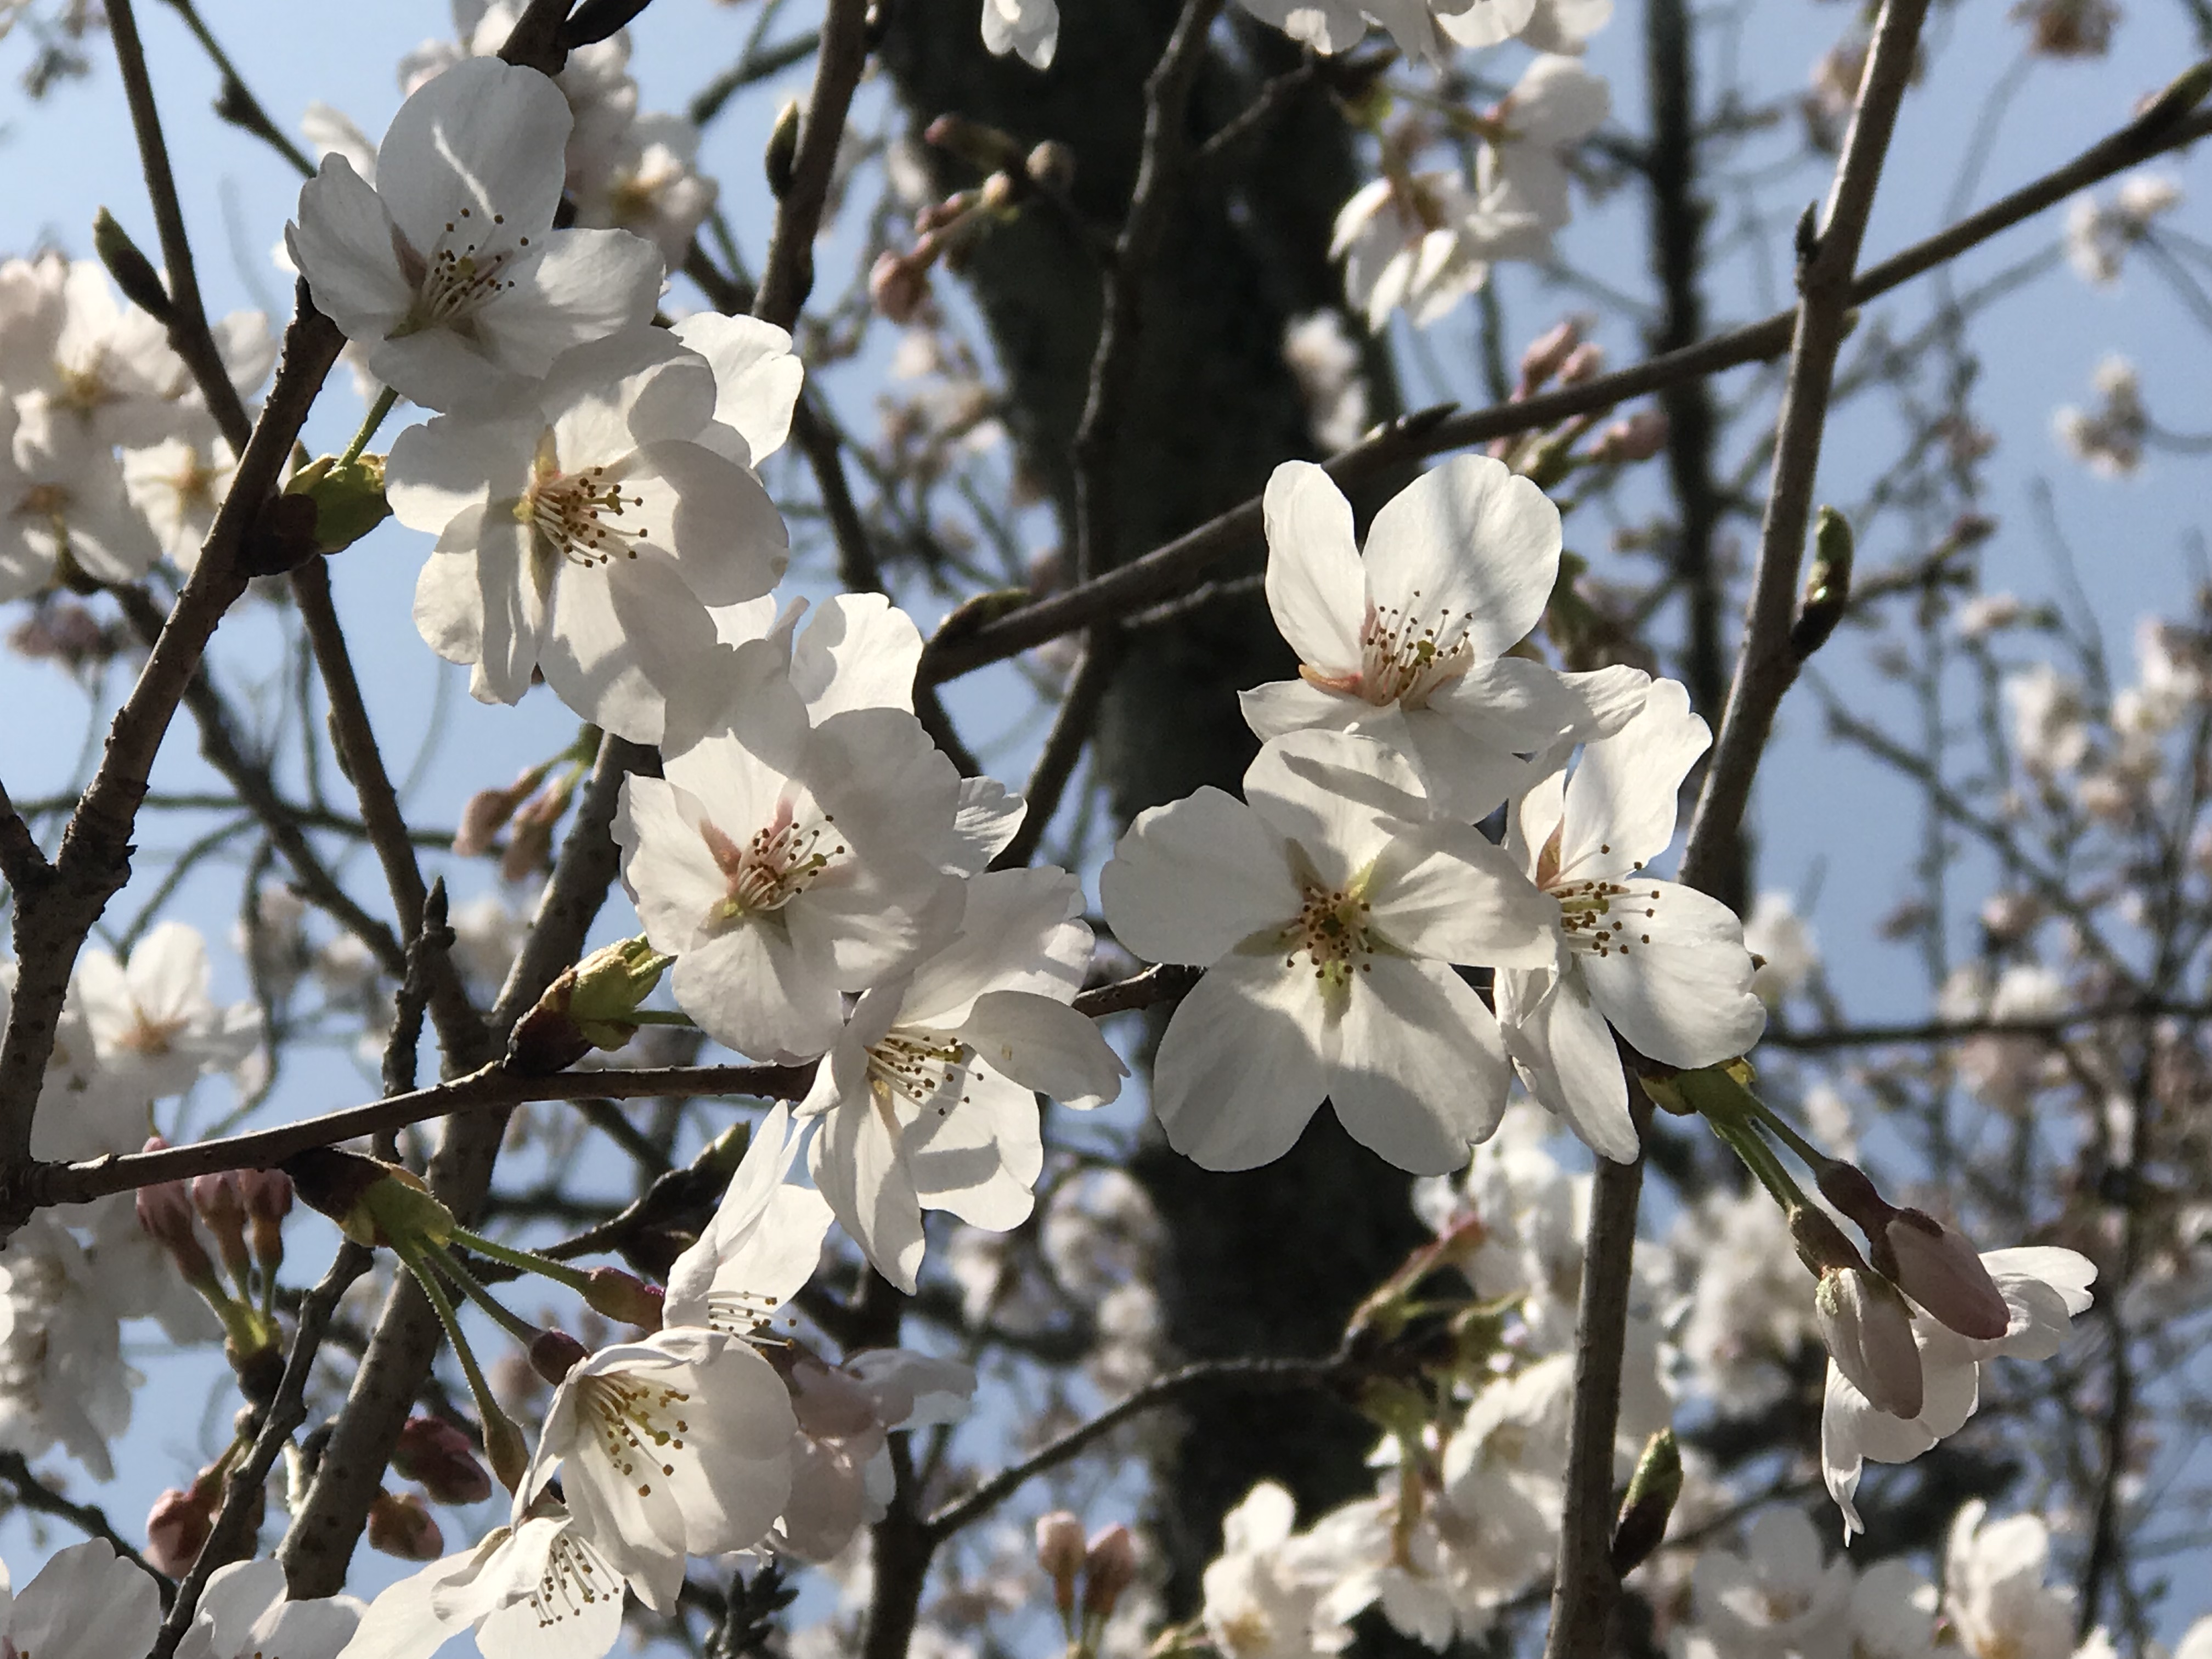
[1621, 802]
[582, 287]
[1283, 706]
[485, 137]
[439, 470]
[756, 376]
[1565, 1051]
[1675, 980]
[856, 1165]
[1448, 893]
[1045, 1046]
[341, 245]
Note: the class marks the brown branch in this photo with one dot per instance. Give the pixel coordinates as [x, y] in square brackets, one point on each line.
[1953, 1030]
[1177, 566]
[22, 862]
[789, 276]
[232, 1538]
[1103, 648]
[461, 1030]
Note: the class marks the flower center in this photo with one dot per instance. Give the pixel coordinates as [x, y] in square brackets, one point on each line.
[1405, 656]
[1331, 931]
[917, 1068]
[1249, 1630]
[457, 278]
[774, 865]
[638, 1423]
[1605, 917]
[580, 515]
[574, 1579]
[43, 500]
[748, 1314]
[149, 1038]
[84, 387]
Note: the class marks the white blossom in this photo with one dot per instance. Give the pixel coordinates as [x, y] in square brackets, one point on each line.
[928, 1099]
[764, 1244]
[1662, 963]
[1030, 27]
[1407, 641]
[843, 1478]
[1263, 1601]
[244, 1614]
[62, 495]
[447, 271]
[1776, 1597]
[63, 1380]
[87, 1602]
[154, 1026]
[584, 533]
[1329, 905]
[1423, 242]
[1556, 104]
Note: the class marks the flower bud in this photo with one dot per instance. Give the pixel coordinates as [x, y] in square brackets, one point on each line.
[223, 1206]
[1109, 1567]
[782, 152]
[347, 497]
[178, 1526]
[625, 1296]
[530, 835]
[1821, 1244]
[375, 1203]
[1051, 166]
[165, 1211]
[487, 811]
[401, 1525]
[984, 147]
[554, 1354]
[898, 285]
[1059, 1553]
[268, 1195]
[1848, 1188]
[589, 1006]
[1547, 352]
[1586, 362]
[1638, 438]
[439, 1458]
[1940, 1270]
[133, 271]
[1652, 1491]
[1869, 1331]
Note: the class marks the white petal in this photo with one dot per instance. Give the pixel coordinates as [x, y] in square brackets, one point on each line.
[1283, 706]
[1447, 893]
[583, 286]
[1421, 1073]
[1045, 1046]
[1472, 538]
[856, 1162]
[1315, 587]
[343, 246]
[761, 990]
[859, 651]
[1565, 1054]
[1018, 932]
[625, 638]
[1621, 802]
[1676, 982]
[1191, 879]
[484, 135]
[756, 376]
[1238, 1072]
[440, 469]
[978, 1158]
[1341, 798]
[728, 539]
[671, 876]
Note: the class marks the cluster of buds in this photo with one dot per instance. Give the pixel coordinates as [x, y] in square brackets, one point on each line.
[243, 1212]
[527, 810]
[1561, 357]
[899, 283]
[1087, 1578]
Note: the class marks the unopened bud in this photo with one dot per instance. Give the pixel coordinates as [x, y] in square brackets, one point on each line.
[898, 285]
[1821, 1244]
[1060, 1552]
[1547, 352]
[177, 1528]
[505, 1448]
[1853, 1191]
[165, 1211]
[401, 1525]
[439, 1458]
[554, 1354]
[984, 147]
[1109, 1567]
[625, 1296]
[133, 271]
[487, 811]
[530, 835]
[1940, 1270]
[592, 1006]
[1867, 1329]
[1586, 362]
[347, 496]
[223, 1206]
[1051, 166]
[1638, 438]
[268, 1195]
[375, 1203]
[782, 150]
[1652, 1491]
[1827, 585]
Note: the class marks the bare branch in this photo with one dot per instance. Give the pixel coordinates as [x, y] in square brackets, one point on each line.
[789, 275]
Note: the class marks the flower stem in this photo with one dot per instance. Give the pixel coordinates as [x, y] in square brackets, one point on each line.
[373, 419]
[1811, 1156]
[471, 1286]
[498, 1430]
[528, 1261]
[1743, 1140]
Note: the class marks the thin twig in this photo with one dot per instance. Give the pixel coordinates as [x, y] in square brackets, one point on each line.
[1956, 1030]
[1175, 567]
[1103, 648]
[788, 276]
[231, 1539]
[1261, 1374]
[28, 1492]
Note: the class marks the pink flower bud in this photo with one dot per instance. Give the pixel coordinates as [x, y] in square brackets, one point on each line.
[178, 1527]
[1848, 1188]
[1638, 438]
[1109, 1567]
[625, 1296]
[487, 811]
[1059, 1553]
[1938, 1269]
[1869, 1331]
[530, 837]
[223, 1206]
[829, 1405]
[438, 1457]
[403, 1525]
[555, 1354]
[165, 1211]
[898, 285]
[1584, 362]
[1547, 352]
[268, 1195]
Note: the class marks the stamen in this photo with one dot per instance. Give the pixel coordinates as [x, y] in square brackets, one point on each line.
[639, 1424]
[1331, 932]
[921, 1071]
[776, 865]
[578, 514]
[1406, 655]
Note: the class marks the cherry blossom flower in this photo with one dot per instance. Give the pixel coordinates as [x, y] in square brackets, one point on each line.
[928, 1100]
[1334, 26]
[1407, 642]
[87, 1602]
[1423, 241]
[764, 1242]
[538, 1589]
[1777, 1596]
[1662, 963]
[63, 1379]
[62, 495]
[785, 867]
[1329, 905]
[243, 1613]
[447, 271]
[2044, 1287]
[177, 485]
[2097, 237]
[1263, 1601]
[678, 1444]
[1993, 1590]
[153, 1024]
[585, 535]
[1031, 27]
[1556, 104]
[843, 1478]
